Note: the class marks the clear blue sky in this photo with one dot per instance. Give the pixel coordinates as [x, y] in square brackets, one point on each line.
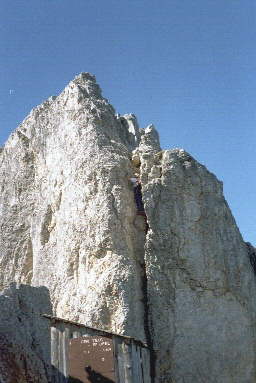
[187, 66]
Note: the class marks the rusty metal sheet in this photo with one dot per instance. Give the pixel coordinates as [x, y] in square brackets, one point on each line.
[91, 360]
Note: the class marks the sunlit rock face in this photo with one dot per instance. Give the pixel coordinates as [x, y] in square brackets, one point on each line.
[70, 209]
[182, 283]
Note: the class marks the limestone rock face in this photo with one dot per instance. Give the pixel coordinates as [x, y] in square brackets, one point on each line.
[201, 286]
[73, 209]
[182, 282]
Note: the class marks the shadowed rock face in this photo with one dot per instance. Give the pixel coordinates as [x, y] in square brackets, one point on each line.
[200, 282]
[24, 335]
[68, 222]
[18, 365]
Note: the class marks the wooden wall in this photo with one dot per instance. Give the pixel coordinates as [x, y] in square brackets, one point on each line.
[131, 357]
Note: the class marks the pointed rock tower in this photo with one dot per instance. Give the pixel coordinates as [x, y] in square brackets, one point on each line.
[177, 277]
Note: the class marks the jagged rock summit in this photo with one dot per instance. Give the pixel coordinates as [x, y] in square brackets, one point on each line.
[179, 280]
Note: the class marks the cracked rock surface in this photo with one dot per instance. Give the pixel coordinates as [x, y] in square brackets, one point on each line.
[200, 283]
[183, 284]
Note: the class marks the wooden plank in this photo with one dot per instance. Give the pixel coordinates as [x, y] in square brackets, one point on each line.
[60, 353]
[140, 364]
[126, 349]
[65, 345]
[146, 365]
[54, 347]
[55, 354]
[120, 360]
[116, 367]
[135, 364]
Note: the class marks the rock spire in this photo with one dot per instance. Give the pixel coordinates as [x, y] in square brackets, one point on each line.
[180, 280]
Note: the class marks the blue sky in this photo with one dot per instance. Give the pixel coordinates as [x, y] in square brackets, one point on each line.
[186, 66]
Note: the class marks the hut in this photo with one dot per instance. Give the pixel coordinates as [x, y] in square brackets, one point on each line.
[82, 354]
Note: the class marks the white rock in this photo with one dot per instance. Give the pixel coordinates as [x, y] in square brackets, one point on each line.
[68, 223]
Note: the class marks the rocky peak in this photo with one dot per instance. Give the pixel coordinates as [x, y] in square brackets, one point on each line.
[177, 275]
[87, 84]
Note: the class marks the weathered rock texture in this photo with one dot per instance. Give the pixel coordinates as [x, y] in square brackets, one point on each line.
[201, 286]
[68, 223]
